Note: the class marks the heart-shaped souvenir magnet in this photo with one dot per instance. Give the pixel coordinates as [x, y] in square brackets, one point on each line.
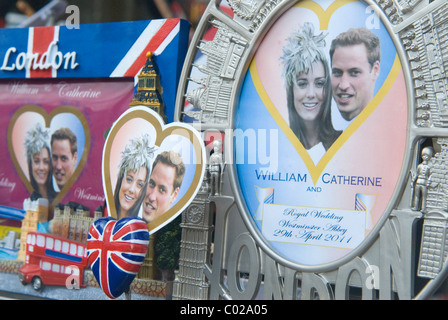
[116, 251]
[151, 170]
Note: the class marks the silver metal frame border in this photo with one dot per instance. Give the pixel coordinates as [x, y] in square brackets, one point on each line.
[414, 133]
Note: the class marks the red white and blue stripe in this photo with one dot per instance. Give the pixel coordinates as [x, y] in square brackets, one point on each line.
[122, 53]
[102, 50]
[116, 251]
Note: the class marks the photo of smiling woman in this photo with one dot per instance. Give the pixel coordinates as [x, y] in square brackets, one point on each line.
[133, 176]
[40, 168]
[308, 88]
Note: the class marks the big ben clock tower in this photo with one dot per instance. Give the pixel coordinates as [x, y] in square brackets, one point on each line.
[149, 90]
[195, 247]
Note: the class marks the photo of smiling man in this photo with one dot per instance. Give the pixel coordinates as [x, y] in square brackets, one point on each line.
[166, 178]
[64, 150]
[355, 67]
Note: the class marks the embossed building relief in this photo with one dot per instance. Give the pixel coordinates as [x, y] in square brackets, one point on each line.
[210, 101]
[425, 42]
[433, 203]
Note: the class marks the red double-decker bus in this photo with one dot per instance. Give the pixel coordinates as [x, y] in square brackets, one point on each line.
[53, 260]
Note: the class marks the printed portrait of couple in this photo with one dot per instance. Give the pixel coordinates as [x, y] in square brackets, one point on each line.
[316, 78]
[51, 159]
[316, 71]
[148, 181]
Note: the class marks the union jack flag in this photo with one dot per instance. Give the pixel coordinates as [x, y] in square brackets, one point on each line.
[155, 37]
[116, 251]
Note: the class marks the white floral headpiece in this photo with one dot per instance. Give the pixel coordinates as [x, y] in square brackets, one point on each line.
[138, 153]
[36, 139]
[303, 48]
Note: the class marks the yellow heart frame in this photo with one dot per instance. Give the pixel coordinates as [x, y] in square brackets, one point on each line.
[316, 170]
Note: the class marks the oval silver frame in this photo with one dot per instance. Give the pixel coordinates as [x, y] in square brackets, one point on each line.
[374, 233]
[254, 37]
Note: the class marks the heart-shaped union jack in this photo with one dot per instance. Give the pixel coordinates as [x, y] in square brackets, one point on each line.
[116, 251]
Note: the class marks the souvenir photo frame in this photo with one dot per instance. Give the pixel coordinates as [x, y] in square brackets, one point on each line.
[66, 87]
[50, 73]
[291, 202]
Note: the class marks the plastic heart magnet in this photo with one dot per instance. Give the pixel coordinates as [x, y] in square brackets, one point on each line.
[116, 251]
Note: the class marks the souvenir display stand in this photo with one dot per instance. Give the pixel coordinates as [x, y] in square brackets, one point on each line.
[71, 85]
[313, 149]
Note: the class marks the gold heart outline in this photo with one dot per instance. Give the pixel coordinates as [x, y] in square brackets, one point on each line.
[48, 118]
[316, 171]
[162, 131]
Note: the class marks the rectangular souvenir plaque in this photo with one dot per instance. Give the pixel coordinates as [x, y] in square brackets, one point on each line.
[60, 92]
